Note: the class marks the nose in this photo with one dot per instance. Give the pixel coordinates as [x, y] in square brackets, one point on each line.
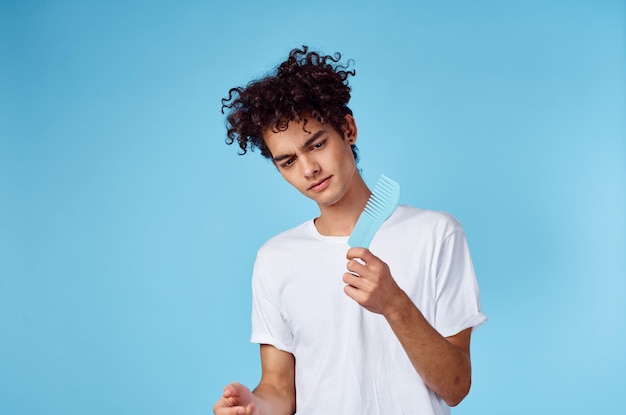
[310, 166]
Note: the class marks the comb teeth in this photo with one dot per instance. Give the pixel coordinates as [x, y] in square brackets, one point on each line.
[378, 208]
[383, 193]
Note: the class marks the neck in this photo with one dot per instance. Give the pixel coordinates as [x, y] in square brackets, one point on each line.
[339, 219]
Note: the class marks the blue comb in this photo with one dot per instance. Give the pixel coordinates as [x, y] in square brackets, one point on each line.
[379, 207]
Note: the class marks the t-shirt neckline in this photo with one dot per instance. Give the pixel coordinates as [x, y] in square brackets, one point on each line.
[313, 231]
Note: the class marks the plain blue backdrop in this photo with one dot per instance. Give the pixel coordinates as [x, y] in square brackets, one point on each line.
[128, 228]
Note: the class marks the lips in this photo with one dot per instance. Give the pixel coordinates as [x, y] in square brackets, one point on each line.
[321, 185]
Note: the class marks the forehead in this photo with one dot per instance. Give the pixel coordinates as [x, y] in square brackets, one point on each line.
[296, 133]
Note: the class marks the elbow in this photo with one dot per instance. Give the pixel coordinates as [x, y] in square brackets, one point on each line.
[458, 393]
[454, 400]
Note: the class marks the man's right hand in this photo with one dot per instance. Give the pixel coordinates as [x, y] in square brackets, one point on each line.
[274, 395]
[236, 400]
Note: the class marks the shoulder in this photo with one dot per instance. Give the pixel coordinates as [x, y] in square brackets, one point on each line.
[427, 221]
[277, 258]
[286, 240]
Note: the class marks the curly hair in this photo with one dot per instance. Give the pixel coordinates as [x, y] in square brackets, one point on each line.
[307, 84]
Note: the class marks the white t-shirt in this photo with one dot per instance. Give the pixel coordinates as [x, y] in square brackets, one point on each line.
[348, 361]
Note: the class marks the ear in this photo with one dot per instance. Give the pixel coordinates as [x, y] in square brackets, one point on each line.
[350, 130]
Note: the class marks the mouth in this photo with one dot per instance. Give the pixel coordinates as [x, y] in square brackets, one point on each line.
[321, 185]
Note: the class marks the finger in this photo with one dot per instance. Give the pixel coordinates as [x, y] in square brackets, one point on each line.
[363, 254]
[232, 390]
[229, 399]
[352, 280]
[356, 262]
[235, 410]
[356, 267]
[226, 406]
[355, 253]
[227, 402]
[354, 293]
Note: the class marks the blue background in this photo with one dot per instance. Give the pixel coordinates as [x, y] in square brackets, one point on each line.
[128, 228]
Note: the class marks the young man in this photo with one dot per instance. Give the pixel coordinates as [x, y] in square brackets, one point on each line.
[347, 331]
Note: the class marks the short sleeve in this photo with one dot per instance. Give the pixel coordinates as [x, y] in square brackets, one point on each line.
[268, 325]
[457, 293]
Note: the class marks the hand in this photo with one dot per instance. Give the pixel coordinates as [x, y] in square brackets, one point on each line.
[236, 400]
[372, 287]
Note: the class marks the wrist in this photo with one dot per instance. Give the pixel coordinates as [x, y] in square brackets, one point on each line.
[397, 308]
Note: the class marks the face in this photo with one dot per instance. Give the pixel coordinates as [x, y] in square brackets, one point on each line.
[317, 160]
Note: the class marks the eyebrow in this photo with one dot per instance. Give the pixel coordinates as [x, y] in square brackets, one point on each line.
[307, 143]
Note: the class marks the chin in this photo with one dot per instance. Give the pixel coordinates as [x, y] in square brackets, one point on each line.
[328, 202]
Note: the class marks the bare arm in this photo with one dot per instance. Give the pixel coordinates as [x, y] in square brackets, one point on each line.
[275, 393]
[443, 363]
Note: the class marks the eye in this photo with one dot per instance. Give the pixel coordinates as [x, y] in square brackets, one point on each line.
[318, 145]
[288, 163]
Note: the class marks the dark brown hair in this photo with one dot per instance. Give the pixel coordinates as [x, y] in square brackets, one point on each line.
[307, 84]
